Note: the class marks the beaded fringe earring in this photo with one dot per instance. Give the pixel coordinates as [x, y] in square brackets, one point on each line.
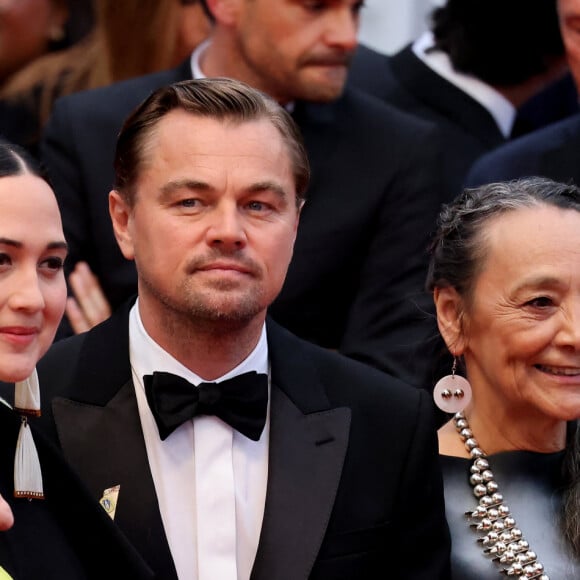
[452, 393]
[27, 473]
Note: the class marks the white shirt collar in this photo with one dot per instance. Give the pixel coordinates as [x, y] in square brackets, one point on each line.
[196, 71]
[147, 356]
[500, 108]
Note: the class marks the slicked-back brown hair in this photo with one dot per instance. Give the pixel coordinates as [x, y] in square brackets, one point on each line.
[216, 98]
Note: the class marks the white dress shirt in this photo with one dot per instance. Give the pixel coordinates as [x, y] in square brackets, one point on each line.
[500, 108]
[210, 479]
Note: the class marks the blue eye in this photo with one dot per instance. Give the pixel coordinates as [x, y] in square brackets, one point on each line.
[256, 205]
[190, 202]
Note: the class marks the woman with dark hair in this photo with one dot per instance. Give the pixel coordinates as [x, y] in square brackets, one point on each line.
[128, 39]
[54, 529]
[505, 276]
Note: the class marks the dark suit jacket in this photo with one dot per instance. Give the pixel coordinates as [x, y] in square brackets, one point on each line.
[359, 262]
[406, 82]
[66, 536]
[354, 487]
[550, 152]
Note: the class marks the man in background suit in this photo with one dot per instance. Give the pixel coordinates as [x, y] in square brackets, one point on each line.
[480, 63]
[552, 151]
[355, 283]
[324, 468]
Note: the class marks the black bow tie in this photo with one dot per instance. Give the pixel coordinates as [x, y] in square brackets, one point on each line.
[241, 401]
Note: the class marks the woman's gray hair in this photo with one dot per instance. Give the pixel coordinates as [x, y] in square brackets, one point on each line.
[458, 251]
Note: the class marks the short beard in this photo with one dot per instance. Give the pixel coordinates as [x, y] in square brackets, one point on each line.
[192, 316]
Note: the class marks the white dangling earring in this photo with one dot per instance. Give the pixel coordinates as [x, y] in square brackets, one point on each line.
[27, 472]
[452, 393]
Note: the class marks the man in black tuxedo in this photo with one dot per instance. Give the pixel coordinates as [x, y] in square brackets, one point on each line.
[306, 464]
[551, 151]
[355, 283]
[481, 63]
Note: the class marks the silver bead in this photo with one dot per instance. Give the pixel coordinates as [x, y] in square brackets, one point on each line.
[509, 522]
[508, 558]
[491, 538]
[487, 475]
[446, 394]
[504, 511]
[492, 487]
[465, 434]
[478, 513]
[521, 558]
[479, 490]
[481, 463]
[501, 539]
[501, 547]
[476, 479]
[516, 568]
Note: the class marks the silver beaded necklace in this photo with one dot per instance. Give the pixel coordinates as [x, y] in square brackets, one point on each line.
[501, 539]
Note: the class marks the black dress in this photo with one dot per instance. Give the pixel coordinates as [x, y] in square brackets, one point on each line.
[531, 484]
[66, 536]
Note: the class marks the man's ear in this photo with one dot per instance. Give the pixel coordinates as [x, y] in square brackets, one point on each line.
[121, 213]
[449, 307]
[225, 12]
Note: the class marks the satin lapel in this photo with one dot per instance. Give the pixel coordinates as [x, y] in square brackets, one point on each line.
[307, 451]
[306, 457]
[100, 433]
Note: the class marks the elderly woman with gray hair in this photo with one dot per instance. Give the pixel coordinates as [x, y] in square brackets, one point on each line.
[505, 277]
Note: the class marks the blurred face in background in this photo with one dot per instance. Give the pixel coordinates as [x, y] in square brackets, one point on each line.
[569, 13]
[32, 284]
[193, 27]
[293, 49]
[26, 29]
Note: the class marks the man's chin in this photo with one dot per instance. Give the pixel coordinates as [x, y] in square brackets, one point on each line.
[323, 90]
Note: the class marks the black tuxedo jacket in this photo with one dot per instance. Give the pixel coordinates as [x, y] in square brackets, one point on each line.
[406, 82]
[66, 536]
[354, 487]
[550, 152]
[356, 279]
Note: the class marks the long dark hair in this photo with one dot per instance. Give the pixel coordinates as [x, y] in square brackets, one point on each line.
[15, 160]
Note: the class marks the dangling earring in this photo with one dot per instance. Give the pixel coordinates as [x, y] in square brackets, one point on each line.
[27, 472]
[452, 393]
